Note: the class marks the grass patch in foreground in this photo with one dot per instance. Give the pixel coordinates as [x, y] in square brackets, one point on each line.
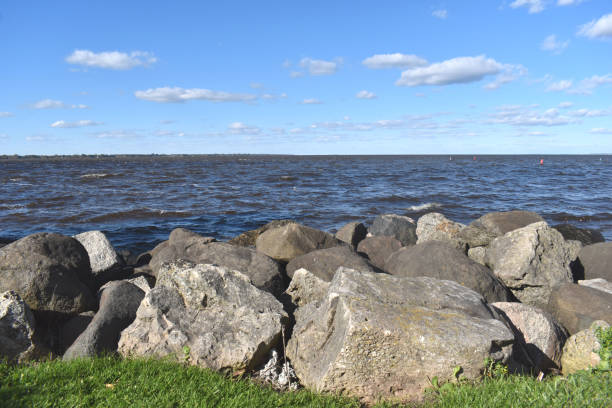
[112, 382]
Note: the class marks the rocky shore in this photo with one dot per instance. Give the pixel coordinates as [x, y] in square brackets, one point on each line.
[368, 312]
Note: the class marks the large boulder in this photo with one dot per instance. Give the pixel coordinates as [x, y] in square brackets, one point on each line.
[500, 223]
[375, 335]
[475, 236]
[119, 301]
[586, 236]
[576, 307]
[436, 227]
[596, 261]
[392, 225]
[378, 249]
[50, 272]
[249, 238]
[581, 351]
[292, 240]
[531, 261]
[181, 243]
[323, 263]
[441, 260]
[352, 233]
[72, 329]
[264, 272]
[16, 328]
[537, 333]
[306, 287]
[212, 316]
[105, 263]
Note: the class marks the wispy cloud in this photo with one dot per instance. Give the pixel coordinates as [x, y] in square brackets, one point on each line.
[562, 85]
[365, 95]
[527, 116]
[601, 28]
[601, 131]
[553, 45]
[584, 87]
[441, 14]
[111, 59]
[397, 60]
[535, 6]
[69, 125]
[239, 128]
[53, 104]
[319, 67]
[168, 94]
[311, 101]
[6, 114]
[568, 2]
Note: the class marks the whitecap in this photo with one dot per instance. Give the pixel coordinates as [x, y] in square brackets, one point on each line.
[423, 207]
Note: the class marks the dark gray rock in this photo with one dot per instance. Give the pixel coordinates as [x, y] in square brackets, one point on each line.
[292, 240]
[378, 249]
[475, 236]
[72, 329]
[50, 272]
[392, 225]
[440, 260]
[119, 301]
[595, 261]
[577, 307]
[249, 238]
[182, 244]
[585, 235]
[323, 263]
[352, 233]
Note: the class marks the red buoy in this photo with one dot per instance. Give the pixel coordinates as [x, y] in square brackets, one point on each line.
[541, 162]
[474, 158]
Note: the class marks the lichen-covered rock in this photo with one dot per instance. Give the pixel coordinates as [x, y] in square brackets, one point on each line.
[292, 240]
[576, 307]
[531, 261]
[581, 349]
[392, 225]
[50, 272]
[324, 262]
[599, 284]
[104, 261]
[440, 260]
[16, 328]
[306, 287]
[436, 227]
[378, 249]
[537, 334]
[375, 335]
[210, 315]
[119, 301]
[352, 233]
[478, 255]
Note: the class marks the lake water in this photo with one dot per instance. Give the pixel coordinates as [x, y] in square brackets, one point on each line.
[138, 200]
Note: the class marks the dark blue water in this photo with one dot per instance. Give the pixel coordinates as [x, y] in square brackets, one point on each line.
[138, 200]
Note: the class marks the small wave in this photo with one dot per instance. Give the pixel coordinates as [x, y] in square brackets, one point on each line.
[288, 178]
[142, 213]
[96, 175]
[423, 207]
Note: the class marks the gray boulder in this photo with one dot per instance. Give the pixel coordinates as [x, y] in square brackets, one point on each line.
[16, 329]
[586, 236]
[180, 245]
[581, 351]
[378, 249]
[500, 223]
[72, 329]
[105, 263]
[478, 255]
[531, 261]
[306, 287]
[323, 263]
[292, 240]
[392, 225]
[119, 301]
[50, 272]
[577, 307]
[209, 315]
[476, 236]
[440, 260]
[436, 227]
[537, 333]
[249, 238]
[378, 336]
[596, 261]
[352, 233]
[599, 284]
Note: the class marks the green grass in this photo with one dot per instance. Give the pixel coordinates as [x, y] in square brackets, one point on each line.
[160, 383]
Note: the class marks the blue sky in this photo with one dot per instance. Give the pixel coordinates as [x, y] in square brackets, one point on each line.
[312, 77]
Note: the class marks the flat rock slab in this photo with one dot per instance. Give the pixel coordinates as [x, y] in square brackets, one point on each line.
[599, 284]
[375, 335]
[441, 260]
[210, 315]
[576, 307]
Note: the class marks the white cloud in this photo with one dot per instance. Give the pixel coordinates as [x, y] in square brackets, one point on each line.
[3, 136]
[296, 74]
[396, 60]
[239, 128]
[590, 113]
[452, 71]
[6, 115]
[527, 116]
[597, 28]
[118, 134]
[565, 105]
[319, 67]
[568, 2]
[257, 85]
[559, 86]
[551, 44]
[111, 59]
[365, 95]
[601, 131]
[588, 85]
[311, 101]
[535, 6]
[69, 125]
[167, 94]
[508, 74]
[53, 104]
[441, 14]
